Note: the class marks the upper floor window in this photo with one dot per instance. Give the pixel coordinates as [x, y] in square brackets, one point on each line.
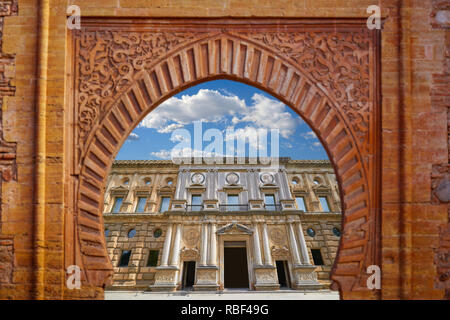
[300, 203]
[317, 257]
[232, 202]
[125, 258]
[117, 205]
[196, 202]
[165, 201]
[269, 201]
[324, 204]
[152, 260]
[141, 204]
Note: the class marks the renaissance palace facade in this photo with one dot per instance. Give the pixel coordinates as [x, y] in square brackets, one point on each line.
[209, 227]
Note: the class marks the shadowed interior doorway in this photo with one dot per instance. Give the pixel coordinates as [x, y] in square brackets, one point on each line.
[235, 268]
[188, 274]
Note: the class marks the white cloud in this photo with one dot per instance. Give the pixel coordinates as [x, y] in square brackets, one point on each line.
[309, 135]
[270, 114]
[170, 128]
[133, 137]
[317, 144]
[214, 106]
[251, 135]
[162, 154]
[184, 152]
[177, 138]
[207, 106]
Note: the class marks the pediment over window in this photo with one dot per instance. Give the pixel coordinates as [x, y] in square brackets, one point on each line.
[234, 228]
[322, 188]
[120, 190]
[166, 190]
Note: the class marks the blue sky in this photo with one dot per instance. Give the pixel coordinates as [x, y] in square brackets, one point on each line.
[221, 105]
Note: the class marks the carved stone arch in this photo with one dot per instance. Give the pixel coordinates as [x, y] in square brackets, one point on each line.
[329, 77]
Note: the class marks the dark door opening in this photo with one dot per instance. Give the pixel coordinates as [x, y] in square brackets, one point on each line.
[188, 274]
[283, 274]
[235, 267]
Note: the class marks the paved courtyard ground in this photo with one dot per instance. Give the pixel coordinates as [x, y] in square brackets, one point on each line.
[224, 295]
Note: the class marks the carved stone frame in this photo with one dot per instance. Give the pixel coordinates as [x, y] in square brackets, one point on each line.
[326, 70]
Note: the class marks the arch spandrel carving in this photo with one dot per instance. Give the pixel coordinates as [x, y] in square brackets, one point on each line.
[328, 77]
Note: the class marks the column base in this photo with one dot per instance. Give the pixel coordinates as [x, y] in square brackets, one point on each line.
[207, 277]
[266, 278]
[165, 279]
[305, 278]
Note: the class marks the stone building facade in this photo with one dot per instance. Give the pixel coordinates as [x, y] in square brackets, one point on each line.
[215, 226]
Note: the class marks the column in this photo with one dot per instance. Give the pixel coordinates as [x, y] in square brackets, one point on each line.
[213, 246]
[257, 246]
[284, 184]
[267, 254]
[204, 252]
[176, 247]
[166, 249]
[294, 247]
[303, 247]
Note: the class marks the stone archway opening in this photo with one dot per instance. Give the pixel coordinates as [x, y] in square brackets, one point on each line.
[136, 207]
[327, 71]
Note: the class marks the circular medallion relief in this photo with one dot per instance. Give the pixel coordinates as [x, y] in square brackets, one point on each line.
[278, 236]
[266, 178]
[191, 236]
[232, 178]
[197, 178]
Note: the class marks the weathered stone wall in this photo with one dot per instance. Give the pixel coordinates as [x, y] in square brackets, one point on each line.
[324, 239]
[137, 275]
[414, 129]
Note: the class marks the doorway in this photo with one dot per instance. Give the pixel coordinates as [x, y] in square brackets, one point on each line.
[283, 273]
[235, 265]
[188, 275]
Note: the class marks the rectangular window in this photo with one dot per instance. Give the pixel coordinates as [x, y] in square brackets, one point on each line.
[232, 202]
[152, 260]
[165, 201]
[117, 205]
[317, 257]
[196, 202]
[141, 204]
[125, 258]
[324, 204]
[300, 203]
[269, 201]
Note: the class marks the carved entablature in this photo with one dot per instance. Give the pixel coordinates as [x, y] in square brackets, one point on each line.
[189, 254]
[280, 253]
[234, 228]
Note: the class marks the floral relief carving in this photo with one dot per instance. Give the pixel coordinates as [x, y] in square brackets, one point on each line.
[337, 61]
[107, 62]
